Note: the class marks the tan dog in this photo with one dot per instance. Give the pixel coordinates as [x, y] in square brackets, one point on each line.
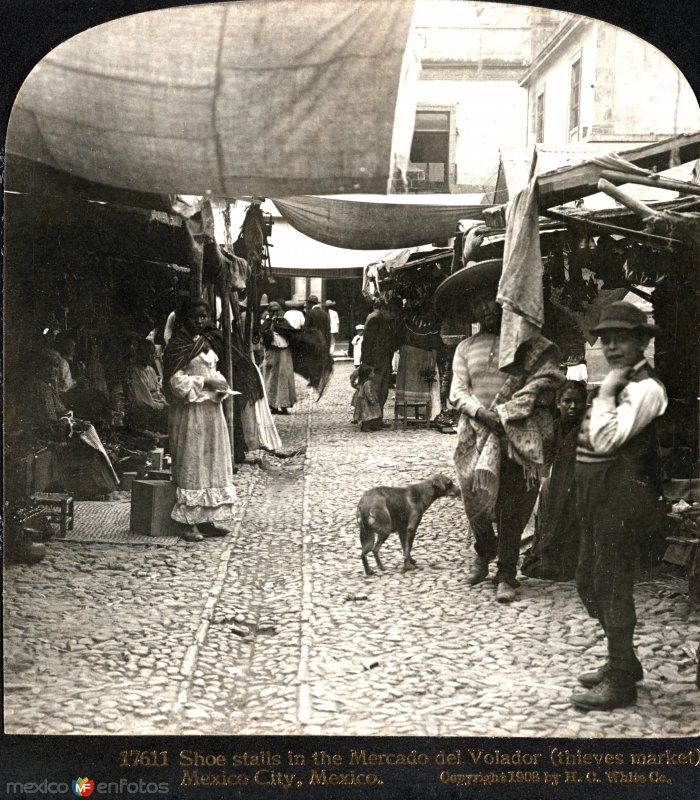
[383, 510]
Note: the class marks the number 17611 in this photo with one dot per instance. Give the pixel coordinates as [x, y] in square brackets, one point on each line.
[143, 758]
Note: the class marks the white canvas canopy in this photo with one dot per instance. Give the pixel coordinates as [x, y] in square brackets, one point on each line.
[262, 97]
[375, 223]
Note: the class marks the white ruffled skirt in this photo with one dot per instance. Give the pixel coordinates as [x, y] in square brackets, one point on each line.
[202, 468]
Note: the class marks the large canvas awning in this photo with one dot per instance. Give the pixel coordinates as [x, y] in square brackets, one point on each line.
[375, 223]
[261, 97]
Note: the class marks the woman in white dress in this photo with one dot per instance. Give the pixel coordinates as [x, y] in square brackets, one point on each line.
[278, 367]
[199, 439]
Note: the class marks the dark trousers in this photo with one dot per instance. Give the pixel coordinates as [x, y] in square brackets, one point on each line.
[381, 380]
[513, 508]
[609, 503]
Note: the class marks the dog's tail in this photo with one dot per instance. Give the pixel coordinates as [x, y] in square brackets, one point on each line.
[366, 534]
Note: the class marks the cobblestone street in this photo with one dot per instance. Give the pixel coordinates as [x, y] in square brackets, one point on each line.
[276, 629]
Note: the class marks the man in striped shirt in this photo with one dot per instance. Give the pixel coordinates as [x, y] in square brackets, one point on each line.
[491, 401]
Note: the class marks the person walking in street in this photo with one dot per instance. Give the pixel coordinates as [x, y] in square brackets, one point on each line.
[294, 314]
[199, 439]
[357, 345]
[382, 338]
[335, 323]
[618, 487]
[317, 319]
[278, 367]
[505, 430]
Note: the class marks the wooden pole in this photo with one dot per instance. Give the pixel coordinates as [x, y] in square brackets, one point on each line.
[642, 180]
[630, 202]
[228, 357]
[586, 222]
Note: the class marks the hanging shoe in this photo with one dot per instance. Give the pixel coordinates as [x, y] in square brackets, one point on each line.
[479, 571]
[605, 697]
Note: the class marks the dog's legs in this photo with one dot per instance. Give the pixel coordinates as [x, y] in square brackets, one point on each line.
[381, 538]
[367, 538]
[408, 563]
[407, 536]
[365, 564]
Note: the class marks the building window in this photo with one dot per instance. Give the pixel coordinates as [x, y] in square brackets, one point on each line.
[575, 100]
[539, 117]
[430, 152]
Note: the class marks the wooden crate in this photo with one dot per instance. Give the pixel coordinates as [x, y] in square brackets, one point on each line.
[151, 505]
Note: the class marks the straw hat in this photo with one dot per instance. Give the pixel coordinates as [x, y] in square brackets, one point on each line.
[359, 327]
[263, 301]
[329, 303]
[453, 295]
[294, 303]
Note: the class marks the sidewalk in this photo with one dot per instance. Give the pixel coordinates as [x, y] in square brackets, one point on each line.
[276, 629]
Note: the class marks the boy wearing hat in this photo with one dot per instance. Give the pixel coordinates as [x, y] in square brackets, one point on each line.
[357, 345]
[617, 490]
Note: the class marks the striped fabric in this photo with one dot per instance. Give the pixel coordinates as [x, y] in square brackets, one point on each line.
[476, 379]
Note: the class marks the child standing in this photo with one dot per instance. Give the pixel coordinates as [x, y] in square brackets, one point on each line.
[357, 345]
[617, 489]
[367, 410]
[555, 548]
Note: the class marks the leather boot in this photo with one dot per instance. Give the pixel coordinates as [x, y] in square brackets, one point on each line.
[622, 670]
[606, 696]
[595, 676]
[479, 571]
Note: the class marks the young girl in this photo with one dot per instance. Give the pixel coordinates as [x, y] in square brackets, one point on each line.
[554, 553]
[367, 410]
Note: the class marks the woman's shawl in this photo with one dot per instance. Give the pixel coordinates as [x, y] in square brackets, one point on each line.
[310, 354]
[524, 406]
[182, 349]
[311, 357]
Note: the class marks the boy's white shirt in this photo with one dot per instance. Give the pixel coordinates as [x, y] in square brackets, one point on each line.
[612, 424]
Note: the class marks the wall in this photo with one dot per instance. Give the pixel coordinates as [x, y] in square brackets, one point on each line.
[662, 102]
[481, 107]
[472, 56]
[629, 89]
[555, 78]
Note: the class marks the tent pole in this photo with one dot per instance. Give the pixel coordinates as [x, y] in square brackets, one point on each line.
[632, 203]
[683, 187]
[228, 358]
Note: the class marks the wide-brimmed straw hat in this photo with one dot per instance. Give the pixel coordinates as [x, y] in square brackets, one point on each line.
[453, 296]
[329, 303]
[294, 303]
[623, 316]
